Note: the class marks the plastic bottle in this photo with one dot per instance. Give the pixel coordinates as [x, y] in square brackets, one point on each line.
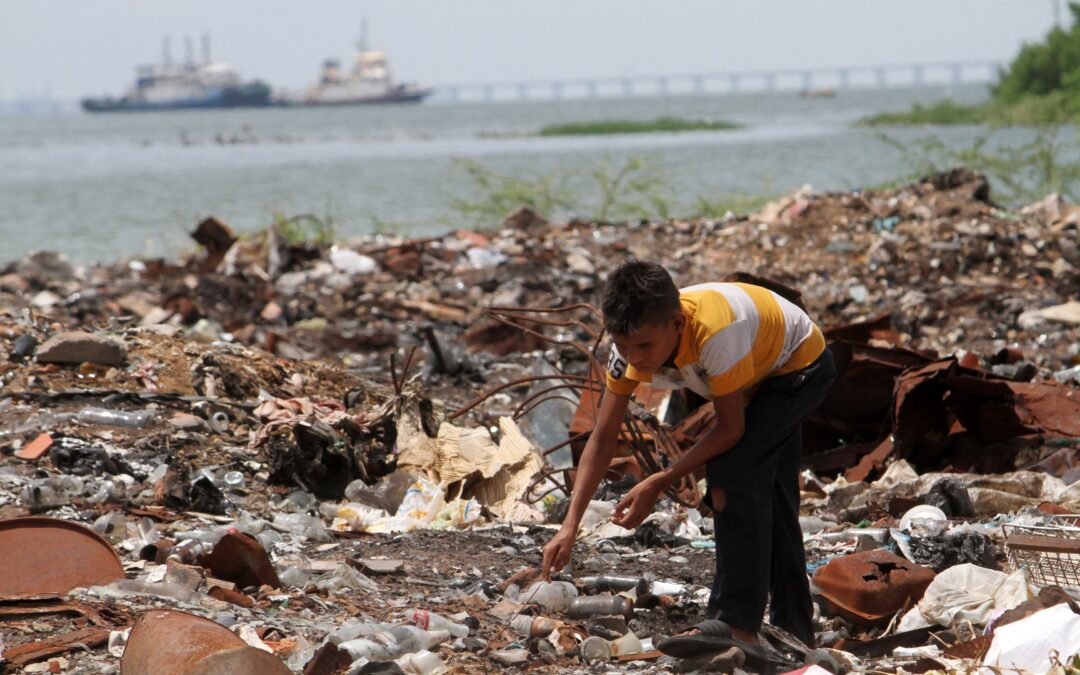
[219, 422]
[422, 663]
[118, 418]
[553, 595]
[354, 630]
[188, 551]
[413, 639]
[533, 626]
[600, 605]
[391, 644]
[599, 584]
[432, 621]
[113, 526]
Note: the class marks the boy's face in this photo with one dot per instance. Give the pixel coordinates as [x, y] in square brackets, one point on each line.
[651, 346]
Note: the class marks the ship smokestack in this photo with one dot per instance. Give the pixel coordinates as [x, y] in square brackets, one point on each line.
[189, 52]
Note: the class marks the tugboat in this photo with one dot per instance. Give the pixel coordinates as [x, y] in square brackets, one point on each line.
[369, 81]
[169, 86]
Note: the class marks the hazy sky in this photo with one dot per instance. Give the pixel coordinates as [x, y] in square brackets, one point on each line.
[74, 48]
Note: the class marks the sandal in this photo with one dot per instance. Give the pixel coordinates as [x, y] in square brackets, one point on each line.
[714, 636]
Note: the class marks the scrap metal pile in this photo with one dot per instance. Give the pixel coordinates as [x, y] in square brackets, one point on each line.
[293, 458]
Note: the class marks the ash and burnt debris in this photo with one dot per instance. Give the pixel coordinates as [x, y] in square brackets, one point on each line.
[387, 425]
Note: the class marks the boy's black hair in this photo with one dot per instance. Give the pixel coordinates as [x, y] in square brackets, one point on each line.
[636, 294]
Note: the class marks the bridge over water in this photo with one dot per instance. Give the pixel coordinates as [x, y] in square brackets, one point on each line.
[795, 79]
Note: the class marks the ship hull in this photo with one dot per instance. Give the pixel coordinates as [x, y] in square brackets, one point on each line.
[411, 95]
[249, 96]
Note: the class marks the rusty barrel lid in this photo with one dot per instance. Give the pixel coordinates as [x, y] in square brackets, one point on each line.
[169, 642]
[49, 556]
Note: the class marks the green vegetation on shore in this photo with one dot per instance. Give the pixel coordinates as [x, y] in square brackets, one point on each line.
[635, 188]
[659, 125]
[942, 112]
[1041, 86]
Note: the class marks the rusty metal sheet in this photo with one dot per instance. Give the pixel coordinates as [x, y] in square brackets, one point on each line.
[52, 556]
[872, 585]
[863, 390]
[871, 462]
[168, 642]
[57, 644]
[240, 558]
[877, 328]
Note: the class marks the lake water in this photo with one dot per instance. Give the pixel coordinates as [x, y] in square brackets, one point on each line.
[102, 186]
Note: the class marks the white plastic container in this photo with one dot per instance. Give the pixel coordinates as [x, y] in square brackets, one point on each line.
[924, 515]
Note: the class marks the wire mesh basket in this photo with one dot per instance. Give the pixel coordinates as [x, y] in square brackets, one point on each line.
[1050, 553]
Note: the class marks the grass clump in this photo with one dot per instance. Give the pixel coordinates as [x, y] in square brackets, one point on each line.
[942, 112]
[659, 125]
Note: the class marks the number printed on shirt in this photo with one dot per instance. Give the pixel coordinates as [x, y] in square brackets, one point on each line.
[616, 365]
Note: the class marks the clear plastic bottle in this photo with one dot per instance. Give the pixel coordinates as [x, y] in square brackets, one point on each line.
[414, 639]
[113, 526]
[432, 621]
[218, 421]
[394, 643]
[354, 630]
[553, 595]
[117, 418]
[422, 663]
[375, 647]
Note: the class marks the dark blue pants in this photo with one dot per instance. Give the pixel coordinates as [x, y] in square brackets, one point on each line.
[759, 549]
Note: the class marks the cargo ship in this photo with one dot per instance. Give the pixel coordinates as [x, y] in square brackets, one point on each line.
[169, 86]
[368, 81]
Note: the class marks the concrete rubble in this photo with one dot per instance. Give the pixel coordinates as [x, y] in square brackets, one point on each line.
[292, 458]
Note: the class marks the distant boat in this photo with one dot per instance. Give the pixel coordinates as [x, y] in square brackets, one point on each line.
[169, 86]
[827, 92]
[369, 81]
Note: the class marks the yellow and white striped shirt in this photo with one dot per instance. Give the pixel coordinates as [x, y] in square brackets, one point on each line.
[735, 336]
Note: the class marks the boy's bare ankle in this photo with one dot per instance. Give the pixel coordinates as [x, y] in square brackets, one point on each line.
[744, 635]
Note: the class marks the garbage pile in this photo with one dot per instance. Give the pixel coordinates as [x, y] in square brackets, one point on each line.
[284, 457]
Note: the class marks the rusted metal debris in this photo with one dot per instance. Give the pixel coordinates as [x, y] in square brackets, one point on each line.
[872, 586]
[894, 402]
[88, 638]
[240, 558]
[168, 642]
[46, 557]
[328, 660]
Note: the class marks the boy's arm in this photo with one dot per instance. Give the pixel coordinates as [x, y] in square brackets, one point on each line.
[636, 505]
[594, 462]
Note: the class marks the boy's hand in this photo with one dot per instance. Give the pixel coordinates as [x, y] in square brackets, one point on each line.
[637, 504]
[557, 552]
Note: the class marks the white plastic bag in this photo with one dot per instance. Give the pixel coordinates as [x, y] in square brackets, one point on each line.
[966, 593]
[1026, 644]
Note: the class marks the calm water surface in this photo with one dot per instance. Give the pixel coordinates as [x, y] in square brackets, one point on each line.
[102, 186]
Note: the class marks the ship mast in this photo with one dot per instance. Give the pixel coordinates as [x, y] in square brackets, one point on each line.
[362, 44]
